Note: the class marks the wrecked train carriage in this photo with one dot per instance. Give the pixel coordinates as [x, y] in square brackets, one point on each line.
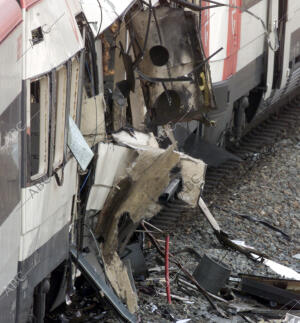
[48, 172]
[46, 51]
[177, 94]
[171, 65]
[55, 87]
[251, 72]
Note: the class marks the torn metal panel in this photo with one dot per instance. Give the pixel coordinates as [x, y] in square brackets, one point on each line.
[112, 163]
[78, 146]
[282, 270]
[211, 275]
[92, 124]
[94, 273]
[167, 47]
[136, 140]
[211, 154]
[134, 254]
[101, 15]
[192, 170]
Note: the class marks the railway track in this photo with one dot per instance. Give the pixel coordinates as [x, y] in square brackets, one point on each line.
[257, 142]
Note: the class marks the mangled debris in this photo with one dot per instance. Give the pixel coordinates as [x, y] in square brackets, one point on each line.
[135, 197]
[161, 79]
[170, 64]
[230, 295]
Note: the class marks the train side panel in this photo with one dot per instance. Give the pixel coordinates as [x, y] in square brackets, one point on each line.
[53, 46]
[10, 127]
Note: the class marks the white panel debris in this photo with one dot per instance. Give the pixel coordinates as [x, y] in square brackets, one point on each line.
[92, 123]
[289, 318]
[136, 140]
[193, 175]
[61, 36]
[111, 164]
[78, 146]
[101, 14]
[281, 270]
[192, 170]
[284, 271]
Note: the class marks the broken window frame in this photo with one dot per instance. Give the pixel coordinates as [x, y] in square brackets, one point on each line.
[80, 87]
[61, 97]
[74, 91]
[44, 82]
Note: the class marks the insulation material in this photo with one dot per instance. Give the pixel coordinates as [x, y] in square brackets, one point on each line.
[171, 50]
[136, 195]
[118, 276]
[193, 178]
[192, 170]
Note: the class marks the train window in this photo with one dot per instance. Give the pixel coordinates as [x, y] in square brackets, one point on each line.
[61, 99]
[38, 121]
[74, 88]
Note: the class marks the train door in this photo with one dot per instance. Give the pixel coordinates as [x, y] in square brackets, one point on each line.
[280, 69]
[291, 50]
[51, 181]
[282, 62]
[273, 16]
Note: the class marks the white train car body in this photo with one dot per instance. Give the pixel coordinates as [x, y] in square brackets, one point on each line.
[40, 49]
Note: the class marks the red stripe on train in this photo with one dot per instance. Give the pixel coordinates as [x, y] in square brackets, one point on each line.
[28, 3]
[10, 17]
[205, 25]
[233, 39]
